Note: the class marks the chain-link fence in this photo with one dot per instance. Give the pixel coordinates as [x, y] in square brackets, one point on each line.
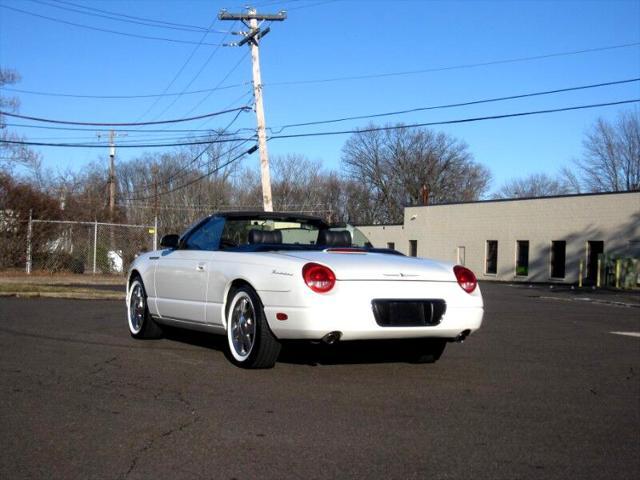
[85, 247]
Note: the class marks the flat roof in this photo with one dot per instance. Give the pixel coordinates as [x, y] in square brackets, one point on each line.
[520, 199]
[497, 200]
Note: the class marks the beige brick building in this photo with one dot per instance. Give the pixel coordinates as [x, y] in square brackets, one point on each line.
[531, 240]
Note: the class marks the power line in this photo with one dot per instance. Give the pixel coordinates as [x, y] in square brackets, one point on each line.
[201, 177]
[102, 145]
[105, 30]
[240, 99]
[317, 4]
[197, 157]
[454, 105]
[233, 69]
[93, 9]
[345, 132]
[47, 127]
[179, 72]
[126, 124]
[116, 17]
[124, 97]
[137, 140]
[277, 130]
[455, 67]
[130, 141]
[359, 117]
[335, 79]
[450, 122]
[198, 73]
[185, 169]
[182, 171]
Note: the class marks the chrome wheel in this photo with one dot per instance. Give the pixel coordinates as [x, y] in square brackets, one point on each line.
[137, 307]
[141, 324]
[242, 326]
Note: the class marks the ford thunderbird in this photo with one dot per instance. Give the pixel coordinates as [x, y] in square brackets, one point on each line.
[263, 278]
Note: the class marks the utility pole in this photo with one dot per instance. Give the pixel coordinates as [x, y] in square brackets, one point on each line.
[252, 37]
[154, 171]
[112, 170]
[156, 198]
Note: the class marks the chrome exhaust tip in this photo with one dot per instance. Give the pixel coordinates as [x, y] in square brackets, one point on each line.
[332, 337]
[462, 336]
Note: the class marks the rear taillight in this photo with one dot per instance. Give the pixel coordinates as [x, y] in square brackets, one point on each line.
[318, 278]
[466, 278]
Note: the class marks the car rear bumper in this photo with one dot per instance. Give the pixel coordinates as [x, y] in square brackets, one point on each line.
[304, 324]
[349, 311]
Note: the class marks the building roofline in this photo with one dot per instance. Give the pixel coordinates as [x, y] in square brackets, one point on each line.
[495, 200]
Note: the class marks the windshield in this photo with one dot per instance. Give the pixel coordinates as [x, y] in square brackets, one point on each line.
[249, 233]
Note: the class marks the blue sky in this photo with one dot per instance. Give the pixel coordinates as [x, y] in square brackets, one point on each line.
[323, 40]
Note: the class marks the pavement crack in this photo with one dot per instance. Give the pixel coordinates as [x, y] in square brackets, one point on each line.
[185, 402]
[100, 366]
[149, 444]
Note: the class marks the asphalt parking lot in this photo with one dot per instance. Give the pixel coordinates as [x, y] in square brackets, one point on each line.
[543, 390]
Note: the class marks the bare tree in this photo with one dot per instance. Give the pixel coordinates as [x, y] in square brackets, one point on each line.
[534, 185]
[611, 160]
[17, 201]
[569, 178]
[395, 166]
[298, 184]
[12, 155]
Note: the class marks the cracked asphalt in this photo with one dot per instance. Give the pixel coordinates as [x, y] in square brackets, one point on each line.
[543, 390]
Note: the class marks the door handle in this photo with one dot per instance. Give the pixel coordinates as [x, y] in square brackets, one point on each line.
[200, 267]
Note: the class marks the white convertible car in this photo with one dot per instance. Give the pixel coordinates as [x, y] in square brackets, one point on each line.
[260, 278]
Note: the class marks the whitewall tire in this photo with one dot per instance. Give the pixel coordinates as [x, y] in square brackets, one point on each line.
[141, 325]
[250, 340]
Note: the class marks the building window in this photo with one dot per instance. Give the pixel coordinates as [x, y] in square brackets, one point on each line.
[522, 258]
[461, 256]
[558, 257]
[413, 248]
[391, 245]
[491, 264]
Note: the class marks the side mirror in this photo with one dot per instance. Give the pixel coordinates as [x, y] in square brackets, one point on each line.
[169, 241]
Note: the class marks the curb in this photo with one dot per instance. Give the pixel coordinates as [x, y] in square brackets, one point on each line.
[65, 295]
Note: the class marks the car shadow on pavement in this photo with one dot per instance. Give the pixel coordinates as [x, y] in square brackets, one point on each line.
[195, 338]
[308, 353]
[347, 353]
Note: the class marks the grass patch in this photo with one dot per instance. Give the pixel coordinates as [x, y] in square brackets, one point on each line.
[57, 291]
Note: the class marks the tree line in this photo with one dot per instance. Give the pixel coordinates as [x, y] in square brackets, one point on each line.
[382, 170]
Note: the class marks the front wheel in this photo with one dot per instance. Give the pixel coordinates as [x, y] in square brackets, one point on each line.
[141, 325]
[251, 343]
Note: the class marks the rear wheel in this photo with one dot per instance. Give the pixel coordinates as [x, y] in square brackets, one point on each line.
[141, 325]
[251, 343]
[427, 350]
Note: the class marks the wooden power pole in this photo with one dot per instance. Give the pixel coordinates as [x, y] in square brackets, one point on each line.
[112, 170]
[252, 37]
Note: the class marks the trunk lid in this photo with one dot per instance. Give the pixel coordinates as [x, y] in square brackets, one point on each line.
[378, 266]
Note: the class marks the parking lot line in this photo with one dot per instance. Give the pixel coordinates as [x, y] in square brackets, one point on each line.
[628, 334]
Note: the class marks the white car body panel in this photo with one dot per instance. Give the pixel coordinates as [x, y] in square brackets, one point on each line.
[180, 281]
[191, 287]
